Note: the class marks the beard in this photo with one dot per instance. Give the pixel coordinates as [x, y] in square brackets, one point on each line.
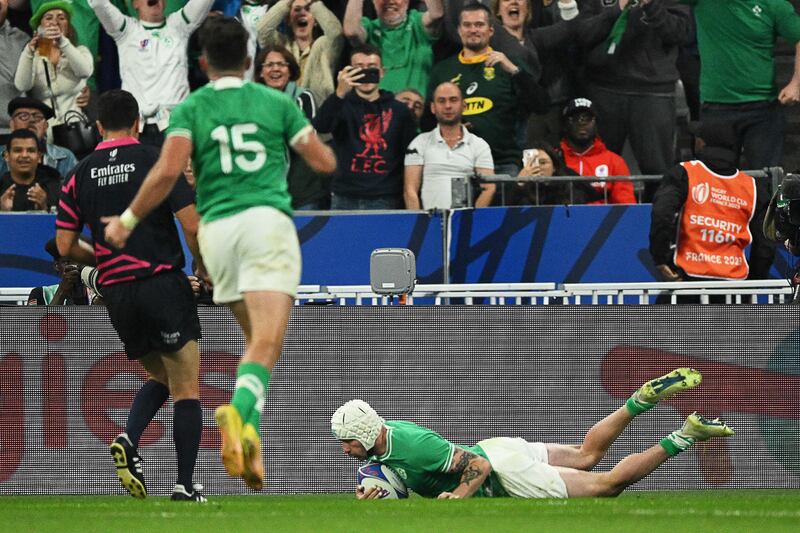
[475, 46]
[449, 121]
[580, 136]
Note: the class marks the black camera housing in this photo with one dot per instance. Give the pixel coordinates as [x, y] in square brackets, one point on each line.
[787, 210]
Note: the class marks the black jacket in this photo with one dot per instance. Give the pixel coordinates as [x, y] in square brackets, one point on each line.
[47, 177]
[370, 140]
[644, 61]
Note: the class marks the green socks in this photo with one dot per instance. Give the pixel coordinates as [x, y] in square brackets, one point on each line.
[252, 381]
[636, 407]
[676, 442]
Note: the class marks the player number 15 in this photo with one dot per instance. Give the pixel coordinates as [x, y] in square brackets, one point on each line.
[250, 155]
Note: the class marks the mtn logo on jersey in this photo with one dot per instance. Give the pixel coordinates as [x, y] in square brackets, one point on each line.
[700, 193]
[477, 105]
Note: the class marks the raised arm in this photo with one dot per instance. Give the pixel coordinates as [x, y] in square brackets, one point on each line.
[568, 9]
[353, 29]
[432, 18]
[110, 17]
[331, 27]
[80, 58]
[195, 12]
[268, 25]
[23, 78]
[668, 20]
[474, 470]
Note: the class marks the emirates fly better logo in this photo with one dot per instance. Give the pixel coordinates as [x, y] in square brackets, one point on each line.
[700, 193]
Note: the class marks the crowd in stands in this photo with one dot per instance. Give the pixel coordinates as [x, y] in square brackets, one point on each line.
[410, 94]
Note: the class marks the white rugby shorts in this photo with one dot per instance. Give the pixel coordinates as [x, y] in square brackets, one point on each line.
[255, 250]
[522, 468]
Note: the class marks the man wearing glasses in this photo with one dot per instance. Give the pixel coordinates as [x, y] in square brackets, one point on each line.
[586, 154]
[32, 114]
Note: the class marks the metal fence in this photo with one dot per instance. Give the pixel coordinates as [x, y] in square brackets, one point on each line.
[646, 293]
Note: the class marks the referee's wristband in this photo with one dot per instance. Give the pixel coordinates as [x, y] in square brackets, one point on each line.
[128, 219]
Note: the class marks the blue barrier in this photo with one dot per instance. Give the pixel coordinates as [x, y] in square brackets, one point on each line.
[563, 244]
[336, 248]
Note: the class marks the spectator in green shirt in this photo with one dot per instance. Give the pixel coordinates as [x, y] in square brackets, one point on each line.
[736, 39]
[404, 38]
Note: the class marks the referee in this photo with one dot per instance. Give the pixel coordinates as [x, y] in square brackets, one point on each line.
[148, 297]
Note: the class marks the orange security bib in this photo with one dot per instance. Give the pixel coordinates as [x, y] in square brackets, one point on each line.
[714, 227]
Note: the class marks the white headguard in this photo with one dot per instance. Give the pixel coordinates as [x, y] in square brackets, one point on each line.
[357, 420]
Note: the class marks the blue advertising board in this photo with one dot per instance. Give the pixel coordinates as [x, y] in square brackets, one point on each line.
[336, 248]
[574, 244]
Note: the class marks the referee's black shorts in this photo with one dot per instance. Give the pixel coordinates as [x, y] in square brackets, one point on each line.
[156, 314]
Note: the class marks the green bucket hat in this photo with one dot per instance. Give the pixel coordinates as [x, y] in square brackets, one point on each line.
[64, 5]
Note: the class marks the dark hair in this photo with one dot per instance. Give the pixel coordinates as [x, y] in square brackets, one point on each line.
[475, 6]
[366, 49]
[117, 110]
[316, 31]
[22, 133]
[294, 68]
[559, 166]
[224, 43]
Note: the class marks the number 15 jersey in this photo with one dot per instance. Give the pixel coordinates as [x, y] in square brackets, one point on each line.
[240, 132]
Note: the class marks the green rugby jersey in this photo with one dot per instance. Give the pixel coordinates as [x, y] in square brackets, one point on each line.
[737, 44]
[491, 104]
[421, 457]
[239, 132]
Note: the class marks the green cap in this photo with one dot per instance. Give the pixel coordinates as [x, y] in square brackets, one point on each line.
[64, 5]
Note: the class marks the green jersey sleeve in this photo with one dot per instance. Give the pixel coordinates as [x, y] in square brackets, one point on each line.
[787, 21]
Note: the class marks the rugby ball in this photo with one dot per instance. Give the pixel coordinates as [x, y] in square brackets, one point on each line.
[381, 476]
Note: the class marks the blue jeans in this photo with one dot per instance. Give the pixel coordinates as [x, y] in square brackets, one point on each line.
[340, 202]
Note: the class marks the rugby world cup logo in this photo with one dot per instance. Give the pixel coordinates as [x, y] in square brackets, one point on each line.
[700, 193]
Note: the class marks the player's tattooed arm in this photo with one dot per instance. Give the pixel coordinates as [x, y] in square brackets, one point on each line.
[474, 470]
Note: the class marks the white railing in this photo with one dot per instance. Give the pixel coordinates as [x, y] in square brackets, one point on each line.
[645, 293]
[732, 292]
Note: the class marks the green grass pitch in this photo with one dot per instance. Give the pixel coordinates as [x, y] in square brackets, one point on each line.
[737, 511]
